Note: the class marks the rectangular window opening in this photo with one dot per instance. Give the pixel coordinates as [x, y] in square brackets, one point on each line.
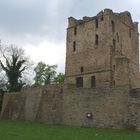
[79, 82]
[96, 22]
[93, 82]
[82, 69]
[96, 39]
[114, 68]
[129, 33]
[74, 46]
[113, 26]
[75, 30]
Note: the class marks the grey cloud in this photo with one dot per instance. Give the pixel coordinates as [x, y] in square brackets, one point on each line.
[15, 19]
[39, 18]
[48, 18]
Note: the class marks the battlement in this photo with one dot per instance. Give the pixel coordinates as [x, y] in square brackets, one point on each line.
[75, 22]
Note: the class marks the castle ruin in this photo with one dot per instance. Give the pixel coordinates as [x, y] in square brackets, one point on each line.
[103, 51]
[102, 84]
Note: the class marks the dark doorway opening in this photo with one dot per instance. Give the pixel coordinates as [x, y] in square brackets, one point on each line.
[79, 82]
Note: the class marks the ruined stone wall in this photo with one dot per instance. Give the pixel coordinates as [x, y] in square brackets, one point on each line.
[133, 116]
[42, 104]
[61, 105]
[50, 106]
[108, 107]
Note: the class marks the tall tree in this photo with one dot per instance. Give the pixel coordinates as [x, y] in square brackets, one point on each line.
[59, 79]
[13, 63]
[44, 74]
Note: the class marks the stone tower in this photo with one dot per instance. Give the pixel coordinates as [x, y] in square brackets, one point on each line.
[102, 51]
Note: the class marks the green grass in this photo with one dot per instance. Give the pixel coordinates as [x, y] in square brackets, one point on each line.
[15, 130]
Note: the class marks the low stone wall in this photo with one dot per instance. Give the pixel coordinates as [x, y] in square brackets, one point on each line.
[107, 106]
[133, 116]
[34, 104]
[50, 106]
[56, 104]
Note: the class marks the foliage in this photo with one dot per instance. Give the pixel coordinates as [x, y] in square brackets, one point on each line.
[1, 98]
[13, 63]
[13, 130]
[59, 79]
[3, 81]
[44, 74]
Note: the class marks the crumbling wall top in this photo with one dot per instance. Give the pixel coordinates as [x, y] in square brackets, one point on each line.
[123, 15]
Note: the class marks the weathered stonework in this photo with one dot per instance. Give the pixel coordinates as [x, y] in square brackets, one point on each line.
[104, 48]
[56, 104]
[112, 57]
[42, 104]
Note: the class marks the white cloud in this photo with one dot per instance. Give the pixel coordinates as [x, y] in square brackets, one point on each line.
[49, 52]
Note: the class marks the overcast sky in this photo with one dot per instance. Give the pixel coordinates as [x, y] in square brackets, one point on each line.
[39, 26]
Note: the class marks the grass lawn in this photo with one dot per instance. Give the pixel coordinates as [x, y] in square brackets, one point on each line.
[15, 130]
